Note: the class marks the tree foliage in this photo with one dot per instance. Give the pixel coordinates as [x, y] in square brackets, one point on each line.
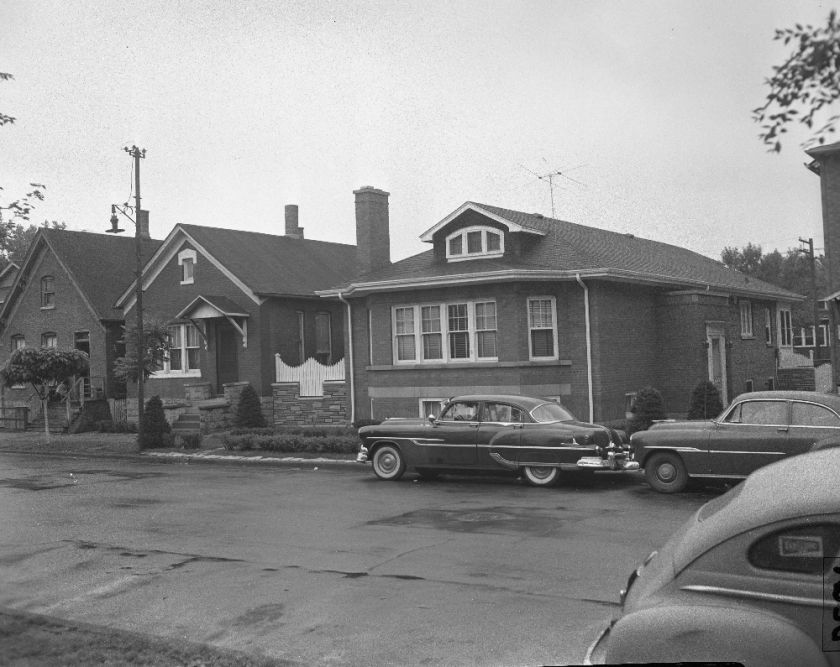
[155, 429]
[15, 240]
[248, 411]
[804, 85]
[648, 406]
[155, 350]
[705, 401]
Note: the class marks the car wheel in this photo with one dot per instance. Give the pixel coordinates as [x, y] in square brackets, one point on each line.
[388, 463]
[666, 472]
[541, 475]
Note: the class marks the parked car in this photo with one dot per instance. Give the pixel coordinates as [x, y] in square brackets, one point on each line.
[756, 429]
[534, 437]
[751, 578]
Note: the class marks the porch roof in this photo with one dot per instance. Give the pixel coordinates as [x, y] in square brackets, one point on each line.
[205, 307]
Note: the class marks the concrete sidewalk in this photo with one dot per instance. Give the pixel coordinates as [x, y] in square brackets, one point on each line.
[124, 445]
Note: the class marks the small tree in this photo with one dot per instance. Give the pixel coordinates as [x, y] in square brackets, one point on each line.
[648, 406]
[705, 401]
[155, 352]
[248, 411]
[46, 369]
[154, 425]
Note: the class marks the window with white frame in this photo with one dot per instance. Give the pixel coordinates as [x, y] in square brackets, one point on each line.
[184, 340]
[746, 318]
[445, 332]
[768, 327]
[47, 292]
[18, 342]
[49, 339]
[785, 328]
[186, 260]
[542, 328]
[431, 407]
[475, 242]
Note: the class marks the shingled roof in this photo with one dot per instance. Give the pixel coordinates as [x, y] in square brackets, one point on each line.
[564, 250]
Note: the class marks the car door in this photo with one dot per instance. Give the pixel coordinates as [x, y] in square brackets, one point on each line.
[752, 434]
[810, 423]
[455, 436]
[499, 433]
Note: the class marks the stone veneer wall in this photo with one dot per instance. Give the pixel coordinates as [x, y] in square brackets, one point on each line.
[290, 409]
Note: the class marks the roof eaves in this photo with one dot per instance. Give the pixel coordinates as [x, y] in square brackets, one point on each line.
[512, 226]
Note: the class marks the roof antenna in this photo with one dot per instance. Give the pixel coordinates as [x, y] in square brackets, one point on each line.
[549, 178]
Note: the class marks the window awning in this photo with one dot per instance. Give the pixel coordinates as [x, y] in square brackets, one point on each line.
[214, 307]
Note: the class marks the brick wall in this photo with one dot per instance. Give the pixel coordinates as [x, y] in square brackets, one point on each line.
[290, 409]
[796, 379]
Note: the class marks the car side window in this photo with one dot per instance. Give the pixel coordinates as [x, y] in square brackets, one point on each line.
[502, 412]
[767, 413]
[809, 414]
[460, 411]
[801, 549]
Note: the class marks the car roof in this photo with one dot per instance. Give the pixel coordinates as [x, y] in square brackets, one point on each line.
[529, 402]
[802, 485]
[830, 400]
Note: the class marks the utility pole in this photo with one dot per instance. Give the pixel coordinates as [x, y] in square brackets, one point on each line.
[810, 252]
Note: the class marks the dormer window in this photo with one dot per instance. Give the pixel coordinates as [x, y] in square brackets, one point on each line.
[186, 260]
[474, 243]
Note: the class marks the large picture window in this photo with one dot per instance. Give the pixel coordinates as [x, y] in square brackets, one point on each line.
[542, 328]
[445, 332]
[184, 341]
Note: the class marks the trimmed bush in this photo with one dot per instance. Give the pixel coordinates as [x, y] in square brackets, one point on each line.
[293, 443]
[647, 407]
[705, 401]
[248, 411]
[155, 427]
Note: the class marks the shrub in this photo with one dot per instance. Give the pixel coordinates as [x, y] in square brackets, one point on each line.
[647, 407]
[705, 401]
[155, 427]
[290, 442]
[189, 440]
[248, 410]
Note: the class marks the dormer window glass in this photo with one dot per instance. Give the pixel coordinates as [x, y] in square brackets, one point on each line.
[47, 292]
[186, 260]
[474, 243]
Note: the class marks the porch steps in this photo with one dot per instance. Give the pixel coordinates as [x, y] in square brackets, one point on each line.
[58, 419]
[188, 422]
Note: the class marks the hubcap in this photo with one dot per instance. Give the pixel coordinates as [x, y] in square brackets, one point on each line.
[387, 462]
[541, 473]
[666, 472]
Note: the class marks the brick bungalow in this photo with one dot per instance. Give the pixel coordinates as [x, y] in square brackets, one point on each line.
[233, 300]
[63, 296]
[506, 301]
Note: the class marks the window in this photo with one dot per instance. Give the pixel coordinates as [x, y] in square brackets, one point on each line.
[474, 242]
[18, 342]
[49, 340]
[445, 332]
[186, 260]
[323, 338]
[768, 327]
[749, 385]
[746, 319]
[806, 549]
[301, 321]
[503, 413]
[803, 337]
[809, 414]
[183, 351]
[431, 407]
[542, 328]
[785, 329]
[47, 292]
[766, 413]
[460, 411]
[823, 331]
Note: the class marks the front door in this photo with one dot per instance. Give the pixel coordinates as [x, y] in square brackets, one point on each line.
[227, 345]
[716, 340]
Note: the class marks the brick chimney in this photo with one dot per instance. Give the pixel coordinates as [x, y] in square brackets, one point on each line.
[143, 223]
[292, 228]
[373, 240]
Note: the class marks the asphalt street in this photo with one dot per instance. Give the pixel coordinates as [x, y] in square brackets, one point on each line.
[327, 566]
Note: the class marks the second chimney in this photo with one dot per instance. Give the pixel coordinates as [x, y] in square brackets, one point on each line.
[373, 240]
[292, 228]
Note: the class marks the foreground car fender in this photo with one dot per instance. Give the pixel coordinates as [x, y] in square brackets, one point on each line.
[707, 633]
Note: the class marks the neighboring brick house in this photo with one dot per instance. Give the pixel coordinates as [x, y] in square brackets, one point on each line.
[515, 302]
[233, 300]
[63, 296]
[7, 279]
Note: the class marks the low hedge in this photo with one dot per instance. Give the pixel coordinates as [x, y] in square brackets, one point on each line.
[312, 439]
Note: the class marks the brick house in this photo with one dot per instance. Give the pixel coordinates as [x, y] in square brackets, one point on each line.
[63, 296]
[233, 300]
[506, 301]
[7, 279]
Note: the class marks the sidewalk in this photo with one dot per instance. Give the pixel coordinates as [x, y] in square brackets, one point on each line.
[124, 445]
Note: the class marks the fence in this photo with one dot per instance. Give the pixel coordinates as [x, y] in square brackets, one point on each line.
[311, 374]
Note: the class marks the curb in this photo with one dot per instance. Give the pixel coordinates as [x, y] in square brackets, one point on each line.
[296, 461]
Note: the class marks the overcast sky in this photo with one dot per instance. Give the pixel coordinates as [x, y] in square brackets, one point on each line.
[244, 107]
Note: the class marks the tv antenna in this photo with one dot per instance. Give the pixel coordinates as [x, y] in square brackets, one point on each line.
[550, 176]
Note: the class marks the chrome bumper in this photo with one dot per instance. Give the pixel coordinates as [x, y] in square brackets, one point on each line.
[610, 463]
[362, 456]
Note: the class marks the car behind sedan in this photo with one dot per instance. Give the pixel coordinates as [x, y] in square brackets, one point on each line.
[753, 577]
[534, 437]
[758, 428]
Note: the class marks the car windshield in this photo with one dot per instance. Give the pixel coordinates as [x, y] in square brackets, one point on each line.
[551, 412]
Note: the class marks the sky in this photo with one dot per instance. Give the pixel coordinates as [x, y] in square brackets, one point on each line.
[643, 106]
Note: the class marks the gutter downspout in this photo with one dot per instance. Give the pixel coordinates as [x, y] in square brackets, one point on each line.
[588, 347]
[350, 357]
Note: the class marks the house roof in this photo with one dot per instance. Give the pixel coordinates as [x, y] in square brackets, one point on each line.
[99, 265]
[564, 251]
[260, 264]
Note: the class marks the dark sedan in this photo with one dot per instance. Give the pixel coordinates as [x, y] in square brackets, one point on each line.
[758, 428]
[534, 437]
